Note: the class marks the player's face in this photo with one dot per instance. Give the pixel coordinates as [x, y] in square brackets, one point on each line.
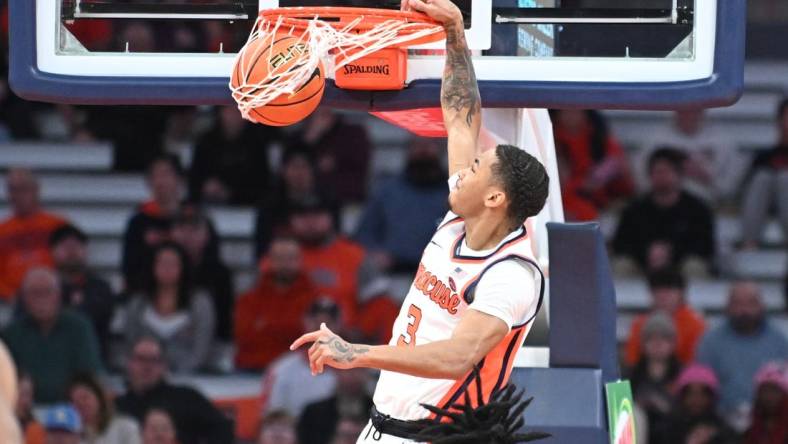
[474, 184]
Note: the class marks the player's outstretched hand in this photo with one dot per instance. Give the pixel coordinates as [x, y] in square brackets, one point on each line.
[443, 11]
[329, 349]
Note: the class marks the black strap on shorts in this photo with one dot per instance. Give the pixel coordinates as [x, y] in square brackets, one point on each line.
[395, 427]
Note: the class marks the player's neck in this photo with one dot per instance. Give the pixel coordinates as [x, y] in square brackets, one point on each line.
[485, 232]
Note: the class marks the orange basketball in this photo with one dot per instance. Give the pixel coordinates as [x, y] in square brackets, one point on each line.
[261, 60]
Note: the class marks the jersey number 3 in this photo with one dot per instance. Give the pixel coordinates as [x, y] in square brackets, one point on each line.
[414, 314]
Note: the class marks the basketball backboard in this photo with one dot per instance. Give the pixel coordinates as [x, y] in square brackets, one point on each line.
[540, 53]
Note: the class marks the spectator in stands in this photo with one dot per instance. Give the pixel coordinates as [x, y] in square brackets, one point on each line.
[192, 231]
[159, 428]
[654, 374]
[62, 425]
[598, 171]
[319, 420]
[342, 151]
[150, 225]
[338, 266]
[295, 183]
[770, 407]
[172, 311]
[667, 292]
[348, 429]
[48, 341]
[768, 186]
[196, 419]
[271, 314]
[25, 234]
[288, 384]
[740, 346]
[100, 424]
[667, 225]
[418, 196]
[82, 289]
[695, 420]
[278, 427]
[32, 430]
[231, 160]
[712, 166]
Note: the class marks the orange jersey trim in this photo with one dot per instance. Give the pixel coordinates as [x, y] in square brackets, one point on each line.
[455, 249]
[494, 370]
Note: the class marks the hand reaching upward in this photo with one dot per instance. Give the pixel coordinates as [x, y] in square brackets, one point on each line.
[443, 11]
[460, 99]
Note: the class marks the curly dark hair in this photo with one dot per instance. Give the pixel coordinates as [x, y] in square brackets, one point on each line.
[496, 422]
[524, 181]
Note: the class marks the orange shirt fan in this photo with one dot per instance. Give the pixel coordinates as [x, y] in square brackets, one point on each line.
[279, 75]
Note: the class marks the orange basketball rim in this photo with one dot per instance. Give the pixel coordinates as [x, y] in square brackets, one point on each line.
[365, 48]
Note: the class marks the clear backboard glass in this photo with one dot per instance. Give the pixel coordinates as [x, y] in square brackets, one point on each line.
[526, 42]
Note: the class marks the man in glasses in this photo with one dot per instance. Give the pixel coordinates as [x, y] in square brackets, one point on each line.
[196, 419]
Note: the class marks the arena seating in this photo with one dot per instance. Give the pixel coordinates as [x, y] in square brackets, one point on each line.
[77, 181]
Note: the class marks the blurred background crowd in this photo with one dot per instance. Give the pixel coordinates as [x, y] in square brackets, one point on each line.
[155, 259]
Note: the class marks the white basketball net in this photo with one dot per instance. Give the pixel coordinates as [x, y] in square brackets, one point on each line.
[320, 38]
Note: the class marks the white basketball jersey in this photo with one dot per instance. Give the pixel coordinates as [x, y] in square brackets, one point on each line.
[440, 294]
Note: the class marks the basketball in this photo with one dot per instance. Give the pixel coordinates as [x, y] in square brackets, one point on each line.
[261, 61]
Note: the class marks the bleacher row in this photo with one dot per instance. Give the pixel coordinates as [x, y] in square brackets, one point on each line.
[77, 182]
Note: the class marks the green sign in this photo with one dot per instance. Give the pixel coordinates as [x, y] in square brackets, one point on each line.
[620, 413]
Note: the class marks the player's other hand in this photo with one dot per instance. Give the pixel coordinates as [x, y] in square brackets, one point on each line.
[329, 349]
[443, 11]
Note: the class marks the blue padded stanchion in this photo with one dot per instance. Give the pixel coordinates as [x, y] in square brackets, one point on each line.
[569, 400]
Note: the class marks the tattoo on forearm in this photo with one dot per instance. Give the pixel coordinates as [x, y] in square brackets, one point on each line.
[459, 91]
[343, 351]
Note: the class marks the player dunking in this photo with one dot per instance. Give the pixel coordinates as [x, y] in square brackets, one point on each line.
[478, 287]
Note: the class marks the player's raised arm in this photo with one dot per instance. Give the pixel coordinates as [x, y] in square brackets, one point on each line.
[460, 100]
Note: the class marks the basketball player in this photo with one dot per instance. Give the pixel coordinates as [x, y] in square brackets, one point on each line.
[478, 287]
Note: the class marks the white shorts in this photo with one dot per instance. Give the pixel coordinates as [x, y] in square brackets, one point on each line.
[370, 435]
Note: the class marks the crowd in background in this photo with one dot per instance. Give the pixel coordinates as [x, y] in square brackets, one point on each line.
[178, 308]
[692, 383]
[178, 311]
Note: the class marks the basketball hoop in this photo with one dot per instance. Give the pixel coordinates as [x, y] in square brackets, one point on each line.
[370, 42]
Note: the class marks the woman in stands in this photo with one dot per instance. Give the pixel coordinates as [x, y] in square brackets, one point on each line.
[595, 171]
[695, 420]
[100, 423]
[655, 373]
[770, 409]
[172, 311]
